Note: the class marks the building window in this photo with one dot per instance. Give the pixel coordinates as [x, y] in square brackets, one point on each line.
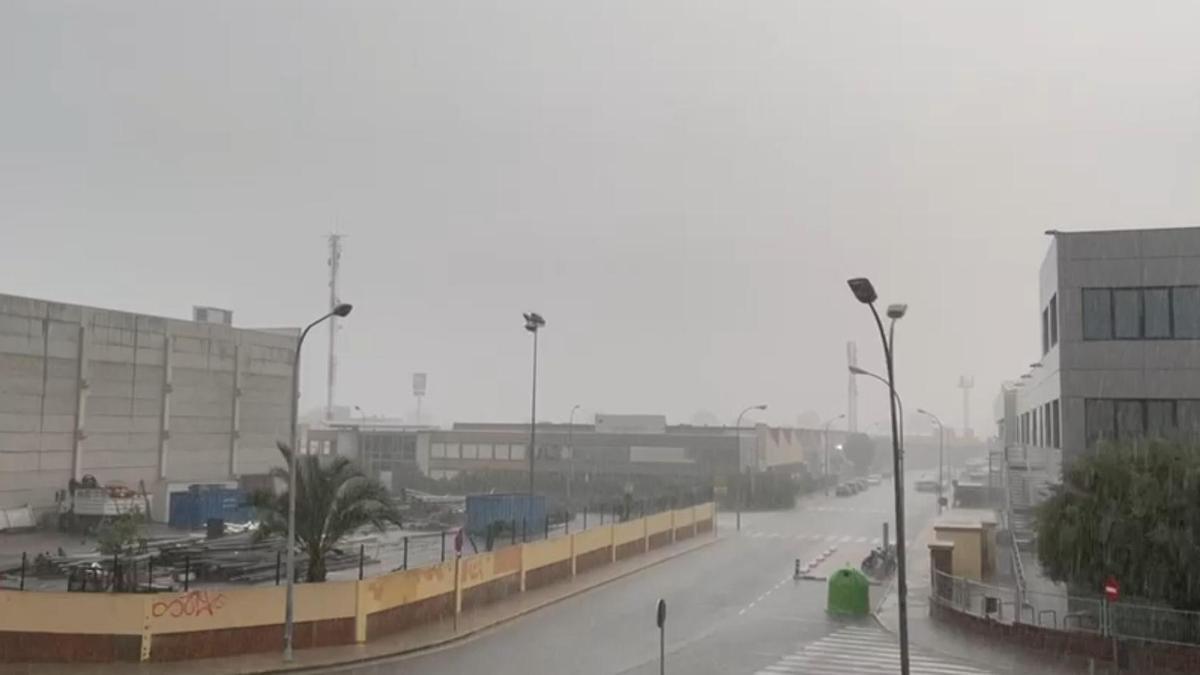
[1034, 416]
[1097, 314]
[1185, 311]
[1187, 419]
[1045, 330]
[1099, 421]
[1131, 422]
[1160, 419]
[1127, 313]
[517, 452]
[1055, 425]
[1156, 306]
[1053, 320]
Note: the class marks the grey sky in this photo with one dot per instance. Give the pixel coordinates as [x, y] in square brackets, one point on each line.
[681, 188]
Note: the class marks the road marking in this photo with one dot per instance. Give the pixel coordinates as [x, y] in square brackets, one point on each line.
[864, 651]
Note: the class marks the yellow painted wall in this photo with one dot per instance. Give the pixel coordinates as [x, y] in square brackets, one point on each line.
[633, 530]
[547, 552]
[704, 511]
[968, 550]
[87, 613]
[593, 539]
[659, 522]
[480, 569]
[398, 588]
[214, 609]
[683, 517]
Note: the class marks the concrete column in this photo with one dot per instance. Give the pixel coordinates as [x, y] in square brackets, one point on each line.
[693, 519]
[81, 394]
[235, 424]
[572, 555]
[164, 428]
[645, 534]
[612, 547]
[522, 568]
[672, 526]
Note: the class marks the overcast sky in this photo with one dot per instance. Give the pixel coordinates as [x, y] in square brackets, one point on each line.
[681, 188]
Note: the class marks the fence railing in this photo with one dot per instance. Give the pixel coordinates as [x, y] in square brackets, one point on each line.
[1090, 615]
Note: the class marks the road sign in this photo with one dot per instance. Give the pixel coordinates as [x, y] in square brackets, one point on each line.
[661, 617]
[1112, 589]
[458, 541]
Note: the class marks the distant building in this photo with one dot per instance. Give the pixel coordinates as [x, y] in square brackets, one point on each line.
[1120, 343]
[142, 400]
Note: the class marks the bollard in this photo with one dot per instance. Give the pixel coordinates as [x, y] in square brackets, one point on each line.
[796, 574]
[362, 548]
[187, 572]
[278, 557]
[22, 571]
[406, 553]
[443, 546]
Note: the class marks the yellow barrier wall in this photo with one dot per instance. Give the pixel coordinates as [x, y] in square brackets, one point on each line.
[215, 609]
[704, 511]
[659, 522]
[87, 613]
[480, 569]
[633, 530]
[546, 552]
[399, 588]
[595, 538]
[683, 518]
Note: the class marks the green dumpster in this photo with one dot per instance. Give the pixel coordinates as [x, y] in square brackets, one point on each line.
[848, 593]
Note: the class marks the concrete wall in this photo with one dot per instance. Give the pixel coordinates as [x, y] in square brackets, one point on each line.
[127, 397]
[36, 626]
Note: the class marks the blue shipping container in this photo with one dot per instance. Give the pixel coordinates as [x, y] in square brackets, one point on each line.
[483, 510]
[192, 509]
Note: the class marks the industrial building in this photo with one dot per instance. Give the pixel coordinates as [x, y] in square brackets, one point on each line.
[1120, 344]
[146, 401]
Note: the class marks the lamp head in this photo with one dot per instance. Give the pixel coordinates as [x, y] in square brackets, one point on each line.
[855, 370]
[897, 310]
[533, 321]
[342, 309]
[863, 290]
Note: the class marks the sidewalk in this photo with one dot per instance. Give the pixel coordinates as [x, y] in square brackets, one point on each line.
[933, 635]
[411, 640]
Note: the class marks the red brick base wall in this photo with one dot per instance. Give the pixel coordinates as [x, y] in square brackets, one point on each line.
[630, 549]
[398, 618]
[44, 647]
[233, 641]
[593, 559]
[1136, 656]
[659, 540]
[547, 574]
[492, 591]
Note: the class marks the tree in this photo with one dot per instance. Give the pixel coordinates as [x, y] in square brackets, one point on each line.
[859, 449]
[333, 499]
[1131, 511]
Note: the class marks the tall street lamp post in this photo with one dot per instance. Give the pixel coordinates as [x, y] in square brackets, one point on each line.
[289, 603]
[941, 454]
[737, 430]
[825, 442]
[864, 292]
[533, 322]
[855, 370]
[571, 449]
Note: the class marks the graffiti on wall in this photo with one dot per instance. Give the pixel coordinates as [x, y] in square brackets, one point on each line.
[195, 603]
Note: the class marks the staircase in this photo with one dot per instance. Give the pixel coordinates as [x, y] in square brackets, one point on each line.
[1029, 474]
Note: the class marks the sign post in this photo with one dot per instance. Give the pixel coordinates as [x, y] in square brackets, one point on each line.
[661, 619]
[1112, 592]
[458, 545]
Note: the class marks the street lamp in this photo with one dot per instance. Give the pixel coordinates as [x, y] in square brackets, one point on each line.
[533, 322]
[289, 604]
[855, 370]
[825, 442]
[864, 291]
[941, 452]
[571, 449]
[737, 431]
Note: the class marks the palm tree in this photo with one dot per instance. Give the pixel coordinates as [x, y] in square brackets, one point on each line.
[333, 499]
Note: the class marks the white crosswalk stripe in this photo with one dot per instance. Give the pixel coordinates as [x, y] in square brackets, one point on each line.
[865, 651]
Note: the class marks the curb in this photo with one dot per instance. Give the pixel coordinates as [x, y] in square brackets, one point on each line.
[466, 635]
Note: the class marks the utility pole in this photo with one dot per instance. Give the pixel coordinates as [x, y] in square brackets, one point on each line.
[335, 257]
[852, 389]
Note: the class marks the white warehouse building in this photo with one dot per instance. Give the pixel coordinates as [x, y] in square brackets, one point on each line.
[142, 400]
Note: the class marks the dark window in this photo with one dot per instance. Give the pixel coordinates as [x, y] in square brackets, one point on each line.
[1047, 425]
[1045, 330]
[1099, 421]
[1097, 314]
[1160, 419]
[1053, 320]
[1055, 425]
[1034, 439]
[1131, 421]
[1187, 419]
[1127, 313]
[1156, 304]
[1185, 310]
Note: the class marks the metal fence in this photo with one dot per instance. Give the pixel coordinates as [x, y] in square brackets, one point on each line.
[1090, 615]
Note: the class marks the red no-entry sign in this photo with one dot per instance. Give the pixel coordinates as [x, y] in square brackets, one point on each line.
[1112, 589]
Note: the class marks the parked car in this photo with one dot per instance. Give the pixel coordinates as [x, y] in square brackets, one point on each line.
[844, 490]
[927, 483]
[874, 479]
